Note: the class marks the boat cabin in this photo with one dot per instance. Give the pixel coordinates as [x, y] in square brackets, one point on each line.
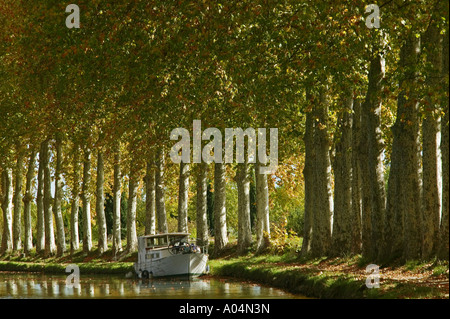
[165, 240]
[152, 247]
[169, 254]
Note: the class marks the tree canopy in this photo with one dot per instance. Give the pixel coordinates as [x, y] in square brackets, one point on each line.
[135, 70]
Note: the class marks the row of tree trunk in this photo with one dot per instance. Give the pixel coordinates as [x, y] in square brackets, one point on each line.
[49, 208]
[407, 217]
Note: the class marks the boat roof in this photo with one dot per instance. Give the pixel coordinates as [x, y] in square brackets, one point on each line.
[166, 234]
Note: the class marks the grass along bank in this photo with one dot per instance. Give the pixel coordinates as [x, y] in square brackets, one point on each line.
[54, 268]
[337, 277]
[90, 263]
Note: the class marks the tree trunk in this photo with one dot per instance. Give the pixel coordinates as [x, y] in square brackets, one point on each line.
[403, 217]
[17, 199]
[371, 109]
[159, 193]
[74, 236]
[243, 188]
[431, 204]
[117, 235]
[183, 193]
[356, 179]
[100, 206]
[323, 200]
[444, 227]
[220, 209]
[60, 235]
[262, 209]
[150, 217]
[366, 206]
[408, 123]
[50, 246]
[343, 219]
[131, 213]
[392, 247]
[308, 175]
[40, 225]
[7, 203]
[86, 201]
[28, 235]
[202, 218]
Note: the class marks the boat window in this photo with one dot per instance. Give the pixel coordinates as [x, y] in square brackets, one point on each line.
[176, 240]
[163, 240]
[152, 255]
[156, 241]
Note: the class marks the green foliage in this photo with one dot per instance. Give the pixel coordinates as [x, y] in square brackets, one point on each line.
[296, 220]
[284, 240]
[440, 270]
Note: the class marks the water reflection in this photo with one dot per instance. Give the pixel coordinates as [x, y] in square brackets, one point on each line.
[26, 285]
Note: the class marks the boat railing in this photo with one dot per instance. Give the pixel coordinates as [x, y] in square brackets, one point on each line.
[203, 248]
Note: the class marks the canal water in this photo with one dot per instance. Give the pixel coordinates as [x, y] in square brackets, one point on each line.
[35, 285]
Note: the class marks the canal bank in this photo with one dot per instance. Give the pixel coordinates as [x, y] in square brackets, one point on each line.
[308, 283]
[339, 278]
[99, 268]
[317, 278]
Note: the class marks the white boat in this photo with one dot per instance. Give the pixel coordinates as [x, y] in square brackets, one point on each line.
[169, 254]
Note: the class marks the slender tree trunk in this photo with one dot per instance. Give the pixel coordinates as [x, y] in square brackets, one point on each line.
[444, 227]
[243, 188]
[262, 201]
[7, 203]
[356, 179]
[86, 201]
[100, 206]
[17, 199]
[431, 204]
[323, 200]
[50, 246]
[372, 115]
[159, 193]
[28, 235]
[117, 239]
[183, 193]
[74, 207]
[131, 214]
[150, 217]
[220, 209]
[60, 235]
[308, 175]
[366, 206]
[40, 225]
[202, 218]
[262, 210]
[343, 219]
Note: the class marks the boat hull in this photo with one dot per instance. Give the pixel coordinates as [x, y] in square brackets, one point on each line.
[176, 265]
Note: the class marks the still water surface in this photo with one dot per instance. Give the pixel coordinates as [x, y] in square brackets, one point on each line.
[33, 285]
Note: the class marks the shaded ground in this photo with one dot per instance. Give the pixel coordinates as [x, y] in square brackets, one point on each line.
[338, 277]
